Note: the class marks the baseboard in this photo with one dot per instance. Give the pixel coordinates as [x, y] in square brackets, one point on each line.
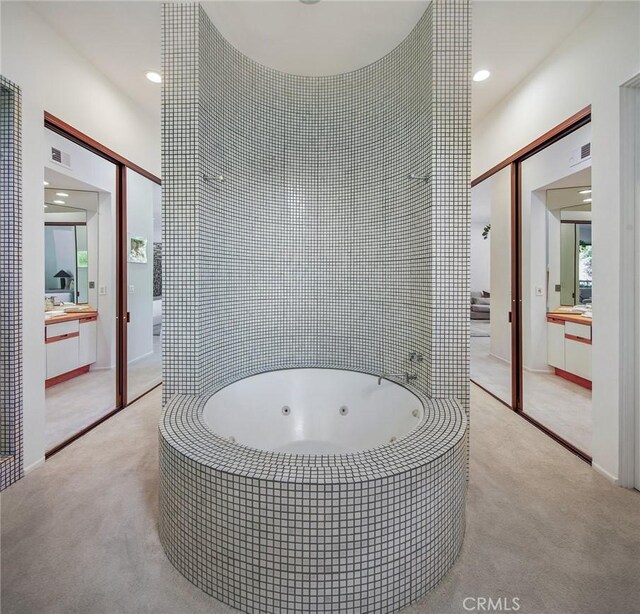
[605, 473]
[33, 466]
[504, 360]
[540, 371]
[138, 358]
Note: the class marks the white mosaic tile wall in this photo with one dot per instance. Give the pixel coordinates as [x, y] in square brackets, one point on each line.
[310, 245]
[11, 405]
[294, 236]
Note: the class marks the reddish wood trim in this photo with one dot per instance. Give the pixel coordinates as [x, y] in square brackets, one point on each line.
[578, 339]
[516, 291]
[85, 430]
[60, 126]
[61, 337]
[572, 377]
[121, 287]
[88, 319]
[563, 442]
[572, 123]
[79, 434]
[69, 317]
[575, 318]
[52, 381]
[555, 320]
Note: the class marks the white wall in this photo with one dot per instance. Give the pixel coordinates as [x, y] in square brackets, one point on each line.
[588, 68]
[53, 77]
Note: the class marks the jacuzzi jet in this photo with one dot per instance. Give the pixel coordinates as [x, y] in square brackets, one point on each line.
[415, 413]
[286, 410]
[344, 410]
[393, 439]
[232, 439]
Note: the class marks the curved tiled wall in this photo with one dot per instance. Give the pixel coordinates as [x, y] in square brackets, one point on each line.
[310, 245]
[294, 236]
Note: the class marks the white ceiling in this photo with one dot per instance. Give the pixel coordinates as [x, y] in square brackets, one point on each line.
[123, 38]
[326, 38]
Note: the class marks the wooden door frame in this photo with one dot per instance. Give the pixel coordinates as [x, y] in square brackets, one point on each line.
[514, 161]
[121, 164]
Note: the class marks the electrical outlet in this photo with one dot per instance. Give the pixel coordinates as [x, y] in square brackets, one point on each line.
[539, 291]
[132, 289]
[102, 291]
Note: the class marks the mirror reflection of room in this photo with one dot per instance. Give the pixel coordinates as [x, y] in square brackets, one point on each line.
[66, 247]
[556, 307]
[78, 289]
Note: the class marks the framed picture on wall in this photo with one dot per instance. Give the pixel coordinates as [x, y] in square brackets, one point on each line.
[138, 250]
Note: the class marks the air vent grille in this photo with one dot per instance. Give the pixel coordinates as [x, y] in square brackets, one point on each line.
[580, 154]
[60, 157]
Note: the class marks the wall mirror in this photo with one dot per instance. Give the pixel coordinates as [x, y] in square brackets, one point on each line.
[70, 253]
[573, 208]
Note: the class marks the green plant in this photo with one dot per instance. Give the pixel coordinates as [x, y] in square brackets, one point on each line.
[485, 231]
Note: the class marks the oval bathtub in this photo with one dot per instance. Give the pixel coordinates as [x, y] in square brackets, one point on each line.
[309, 490]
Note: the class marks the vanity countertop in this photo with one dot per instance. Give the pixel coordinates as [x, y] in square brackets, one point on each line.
[567, 316]
[68, 317]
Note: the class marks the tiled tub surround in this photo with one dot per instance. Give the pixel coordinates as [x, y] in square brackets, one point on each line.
[296, 235]
[293, 232]
[264, 531]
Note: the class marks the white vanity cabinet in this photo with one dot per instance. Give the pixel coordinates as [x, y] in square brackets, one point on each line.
[71, 346]
[88, 340]
[555, 343]
[62, 347]
[569, 347]
[577, 339]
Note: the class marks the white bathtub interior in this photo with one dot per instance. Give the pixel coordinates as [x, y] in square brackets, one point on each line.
[313, 411]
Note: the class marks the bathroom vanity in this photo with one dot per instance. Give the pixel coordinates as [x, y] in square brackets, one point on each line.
[71, 343]
[569, 346]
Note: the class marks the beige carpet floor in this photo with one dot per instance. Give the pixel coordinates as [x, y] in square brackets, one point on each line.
[79, 534]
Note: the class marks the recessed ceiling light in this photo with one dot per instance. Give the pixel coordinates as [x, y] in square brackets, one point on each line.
[587, 200]
[154, 76]
[45, 182]
[584, 192]
[63, 194]
[58, 202]
[481, 75]
[309, 1]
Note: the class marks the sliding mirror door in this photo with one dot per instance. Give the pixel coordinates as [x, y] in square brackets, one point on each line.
[556, 250]
[490, 300]
[79, 290]
[143, 248]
